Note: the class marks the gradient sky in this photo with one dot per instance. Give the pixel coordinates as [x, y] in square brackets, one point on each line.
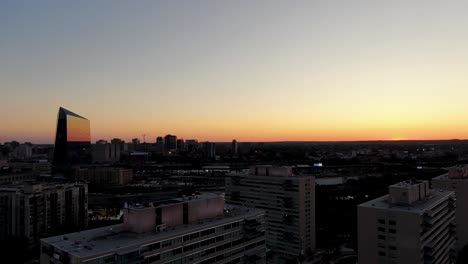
[250, 70]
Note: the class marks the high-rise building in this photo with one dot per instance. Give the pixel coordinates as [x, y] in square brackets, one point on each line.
[32, 211]
[104, 152]
[456, 179]
[412, 224]
[72, 142]
[160, 144]
[209, 150]
[234, 147]
[170, 143]
[197, 229]
[191, 144]
[100, 152]
[289, 203]
[116, 147]
[180, 144]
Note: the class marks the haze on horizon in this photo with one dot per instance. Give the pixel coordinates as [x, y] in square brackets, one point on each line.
[250, 70]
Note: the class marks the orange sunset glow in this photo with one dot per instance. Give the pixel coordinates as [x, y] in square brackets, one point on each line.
[299, 72]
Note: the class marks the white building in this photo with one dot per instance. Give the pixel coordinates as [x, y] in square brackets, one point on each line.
[456, 179]
[412, 224]
[289, 204]
[196, 229]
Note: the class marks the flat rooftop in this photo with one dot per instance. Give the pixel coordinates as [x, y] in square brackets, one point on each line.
[446, 176]
[107, 240]
[420, 206]
[203, 196]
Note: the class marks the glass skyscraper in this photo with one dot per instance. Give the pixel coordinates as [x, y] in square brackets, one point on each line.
[72, 142]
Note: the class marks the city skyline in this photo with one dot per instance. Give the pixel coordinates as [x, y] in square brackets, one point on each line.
[254, 71]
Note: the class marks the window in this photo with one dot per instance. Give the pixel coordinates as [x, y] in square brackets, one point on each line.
[381, 221]
[382, 254]
[381, 229]
[392, 222]
[382, 237]
[392, 231]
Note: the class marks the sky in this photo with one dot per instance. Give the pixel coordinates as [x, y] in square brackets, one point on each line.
[249, 70]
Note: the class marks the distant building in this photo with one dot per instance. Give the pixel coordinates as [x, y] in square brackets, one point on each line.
[180, 145]
[160, 144]
[100, 152]
[23, 152]
[209, 150]
[104, 152]
[116, 148]
[104, 176]
[191, 144]
[170, 143]
[72, 142]
[234, 147]
[412, 224]
[289, 204]
[456, 179]
[196, 229]
[33, 210]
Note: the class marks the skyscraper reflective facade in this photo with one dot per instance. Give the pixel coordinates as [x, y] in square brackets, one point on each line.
[72, 142]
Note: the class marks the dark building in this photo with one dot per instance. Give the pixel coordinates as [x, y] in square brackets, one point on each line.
[33, 210]
[160, 144]
[180, 144]
[209, 150]
[234, 147]
[170, 143]
[72, 142]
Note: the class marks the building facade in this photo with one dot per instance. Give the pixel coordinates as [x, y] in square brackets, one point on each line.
[104, 176]
[456, 179]
[412, 224]
[289, 204]
[33, 211]
[196, 229]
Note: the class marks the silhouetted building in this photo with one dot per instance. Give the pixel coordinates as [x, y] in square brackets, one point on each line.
[191, 144]
[116, 147]
[72, 142]
[209, 150]
[234, 147]
[412, 224]
[195, 229]
[100, 152]
[160, 144]
[456, 179]
[180, 145]
[32, 211]
[289, 204]
[170, 143]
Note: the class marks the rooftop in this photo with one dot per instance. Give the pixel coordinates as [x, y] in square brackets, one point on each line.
[420, 206]
[203, 196]
[31, 186]
[115, 238]
[455, 173]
